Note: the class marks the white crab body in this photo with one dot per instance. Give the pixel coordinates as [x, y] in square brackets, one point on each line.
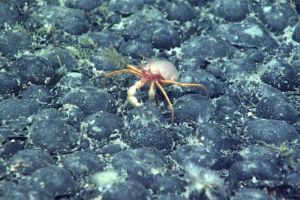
[164, 68]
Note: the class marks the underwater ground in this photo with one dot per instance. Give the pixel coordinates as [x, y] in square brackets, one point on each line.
[68, 132]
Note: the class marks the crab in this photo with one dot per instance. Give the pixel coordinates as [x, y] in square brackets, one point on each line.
[156, 72]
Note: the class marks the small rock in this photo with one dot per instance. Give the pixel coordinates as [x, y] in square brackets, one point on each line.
[270, 131]
[193, 107]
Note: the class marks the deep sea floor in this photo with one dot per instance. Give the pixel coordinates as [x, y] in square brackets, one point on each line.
[67, 130]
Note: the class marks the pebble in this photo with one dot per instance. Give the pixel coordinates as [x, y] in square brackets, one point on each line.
[270, 131]
[38, 93]
[251, 193]
[54, 136]
[84, 4]
[27, 161]
[13, 109]
[296, 33]
[101, 125]
[165, 37]
[103, 39]
[9, 13]
[233, 69]
[12, 42]
[127, 190]
[137, 49]
[265, 173]
[82, 163]
[201, 156]
[9, 83]
[73, 21]
[139, 163]
[56, 181]
[248, 33]
[207, 47]
[180, 11]
[278, 109]
[158, 137]
[233, 11]
[278, 16]
[193, 107]
[89, 99]
[33, 69]
[279, 74]
[125, 7]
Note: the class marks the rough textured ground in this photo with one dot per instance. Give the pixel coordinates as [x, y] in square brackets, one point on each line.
[66, 132]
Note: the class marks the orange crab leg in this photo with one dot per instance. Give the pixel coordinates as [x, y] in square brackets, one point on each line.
[133, 68]
[167, 98]
[121, 71]
[170, 82]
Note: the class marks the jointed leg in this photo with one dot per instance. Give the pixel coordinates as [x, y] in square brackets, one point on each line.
[167, 98]
[133, 68]
[121, 71]
[170, 82]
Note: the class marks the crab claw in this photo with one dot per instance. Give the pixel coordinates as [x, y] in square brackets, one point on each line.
[131, 92]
